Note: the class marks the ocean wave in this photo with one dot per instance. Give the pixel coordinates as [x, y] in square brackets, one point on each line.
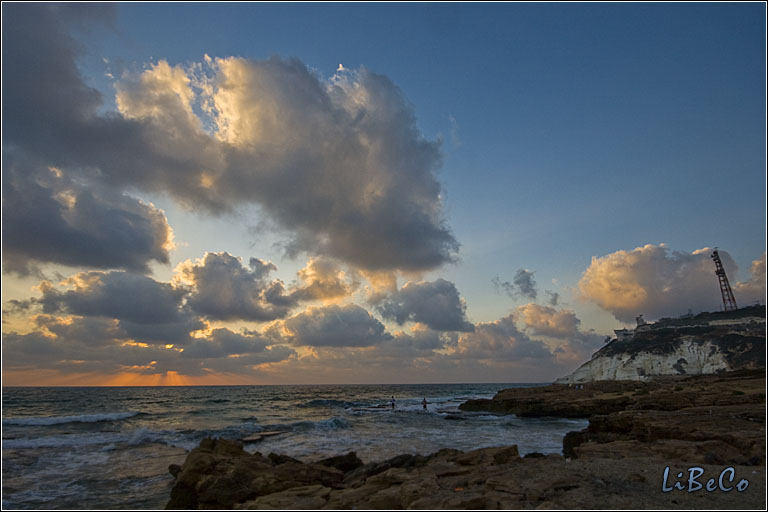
[56, 420]
[328, 402]
[332, 423]
[111, 440]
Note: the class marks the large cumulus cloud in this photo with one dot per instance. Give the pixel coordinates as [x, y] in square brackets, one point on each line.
[501, 340]
[338, 164]
[656, 281]
[221, 288]
[49, 218]
[322, 279]
[147, 310]
[574, 346]
[436, 304]
[548, 321]
[753, 289]
[332, 326]
[120, 295]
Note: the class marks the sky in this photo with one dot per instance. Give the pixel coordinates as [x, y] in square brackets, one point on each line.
[247, 193]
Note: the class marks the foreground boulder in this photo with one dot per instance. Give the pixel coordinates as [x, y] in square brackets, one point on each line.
[220, 475]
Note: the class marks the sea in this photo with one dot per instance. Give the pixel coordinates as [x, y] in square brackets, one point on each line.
[108, 448]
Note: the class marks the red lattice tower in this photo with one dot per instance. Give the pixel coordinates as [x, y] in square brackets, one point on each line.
[729, 302]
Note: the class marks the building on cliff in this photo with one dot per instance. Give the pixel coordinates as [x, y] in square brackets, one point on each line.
[688, 345]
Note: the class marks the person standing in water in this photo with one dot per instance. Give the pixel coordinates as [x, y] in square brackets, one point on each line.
[393, 403]
[424, 403]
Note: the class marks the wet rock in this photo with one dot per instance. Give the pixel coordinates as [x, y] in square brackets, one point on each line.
[368, 470]
[276, 459]
[174, 470]
[310, 497]
[343, 463]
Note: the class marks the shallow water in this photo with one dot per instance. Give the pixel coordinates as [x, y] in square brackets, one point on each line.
[109, 448]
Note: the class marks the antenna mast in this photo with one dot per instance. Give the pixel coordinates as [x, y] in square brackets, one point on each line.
[729, 302]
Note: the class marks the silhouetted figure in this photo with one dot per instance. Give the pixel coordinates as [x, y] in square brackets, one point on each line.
[424, 403]
[393, 403]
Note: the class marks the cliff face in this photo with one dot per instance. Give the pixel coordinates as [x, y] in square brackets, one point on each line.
[704, 344]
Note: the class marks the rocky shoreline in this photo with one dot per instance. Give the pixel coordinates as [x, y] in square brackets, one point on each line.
[636, 432]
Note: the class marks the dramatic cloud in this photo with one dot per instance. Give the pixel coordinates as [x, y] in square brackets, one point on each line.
[85, 345]
[435, 304]
[147, 310]
[322, 279]
[332, 326]
[48, 218]
[547, 321]
[576, 347]
[90, 332]
[655, 281]
[753, 290]
[501, 340]
[120, 295]
[222, 289]
[223, 343]
[338, 164]
[522, 285]
[421, 343]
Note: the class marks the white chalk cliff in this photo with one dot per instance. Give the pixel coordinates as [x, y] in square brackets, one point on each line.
[706, 343]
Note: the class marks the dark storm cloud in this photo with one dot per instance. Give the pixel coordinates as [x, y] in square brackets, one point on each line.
[435, 304]
[522, 285]
[333, 326]
[338, 164]
[50, 218]
[221, 288]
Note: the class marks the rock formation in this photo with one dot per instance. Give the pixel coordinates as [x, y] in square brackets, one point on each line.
[636, 431]
[703, 344]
